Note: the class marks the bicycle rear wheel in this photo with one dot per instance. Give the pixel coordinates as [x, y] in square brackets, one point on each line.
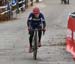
[35, 46]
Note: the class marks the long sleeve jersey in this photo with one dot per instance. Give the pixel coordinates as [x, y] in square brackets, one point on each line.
[36, 22]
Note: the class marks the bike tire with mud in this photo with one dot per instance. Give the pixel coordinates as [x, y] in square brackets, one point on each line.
[35, 46]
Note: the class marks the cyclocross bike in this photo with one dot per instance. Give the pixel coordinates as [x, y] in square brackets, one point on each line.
[35, 42]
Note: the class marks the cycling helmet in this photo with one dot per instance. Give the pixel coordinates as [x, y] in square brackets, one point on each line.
[36, 10]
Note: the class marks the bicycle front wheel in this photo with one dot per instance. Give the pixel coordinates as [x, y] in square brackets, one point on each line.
[35, 46]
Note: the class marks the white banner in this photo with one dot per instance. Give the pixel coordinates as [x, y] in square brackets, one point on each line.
[3, 7]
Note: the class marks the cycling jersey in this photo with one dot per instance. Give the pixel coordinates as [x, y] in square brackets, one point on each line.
[36, 22]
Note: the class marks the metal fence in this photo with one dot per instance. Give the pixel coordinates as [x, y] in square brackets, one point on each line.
[8, 10]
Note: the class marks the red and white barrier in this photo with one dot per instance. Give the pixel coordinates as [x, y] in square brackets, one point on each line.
[70, 40]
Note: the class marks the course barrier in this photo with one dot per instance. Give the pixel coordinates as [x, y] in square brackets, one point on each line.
[70, 40]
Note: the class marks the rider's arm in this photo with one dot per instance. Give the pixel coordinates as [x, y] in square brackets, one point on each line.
[29, 20]
[43, 20]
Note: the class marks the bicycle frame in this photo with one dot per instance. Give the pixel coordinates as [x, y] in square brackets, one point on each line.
[35, 44]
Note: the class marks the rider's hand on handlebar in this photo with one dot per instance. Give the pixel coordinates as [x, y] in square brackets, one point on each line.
[28, 28]
[44, 31]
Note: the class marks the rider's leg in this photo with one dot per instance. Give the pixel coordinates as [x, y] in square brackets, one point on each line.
[30, 39]
[39, 35]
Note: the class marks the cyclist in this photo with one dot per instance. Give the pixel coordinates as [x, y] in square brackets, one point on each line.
[35, 20]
